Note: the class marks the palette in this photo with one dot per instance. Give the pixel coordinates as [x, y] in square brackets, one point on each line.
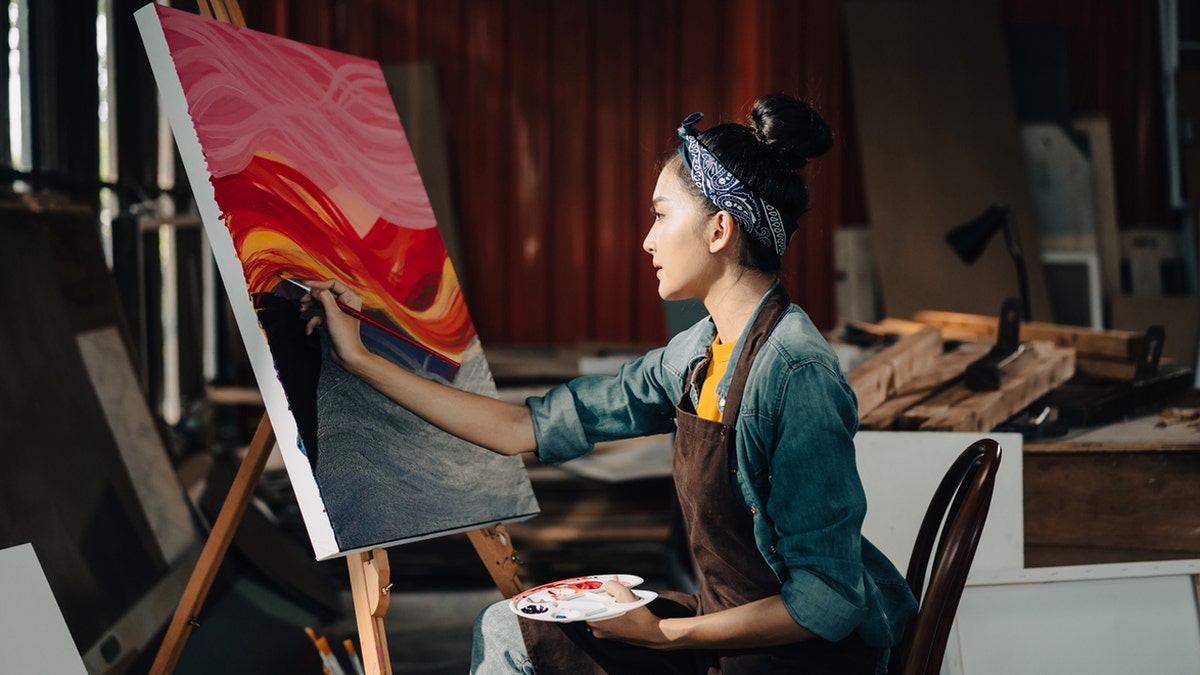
[578, 599]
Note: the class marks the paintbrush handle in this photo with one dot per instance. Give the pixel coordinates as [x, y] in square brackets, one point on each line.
[374, 322]
[365, 318]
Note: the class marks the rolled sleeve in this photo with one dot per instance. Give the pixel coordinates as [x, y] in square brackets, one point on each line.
[817, 503]
[572, 417]
[814, 604]
[557, 427]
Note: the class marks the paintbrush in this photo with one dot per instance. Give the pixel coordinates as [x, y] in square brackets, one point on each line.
[327, 657]
[354, 660]
[366, 318]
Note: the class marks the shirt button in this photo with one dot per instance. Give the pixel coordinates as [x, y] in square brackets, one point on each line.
[721, 403]
[753, 509]
[773, 549]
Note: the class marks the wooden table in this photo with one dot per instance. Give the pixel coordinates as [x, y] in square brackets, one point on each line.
[1127, 491]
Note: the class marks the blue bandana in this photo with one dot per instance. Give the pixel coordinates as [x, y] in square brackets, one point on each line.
[753, 214]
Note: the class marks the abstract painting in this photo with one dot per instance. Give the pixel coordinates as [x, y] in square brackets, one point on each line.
[301, 170]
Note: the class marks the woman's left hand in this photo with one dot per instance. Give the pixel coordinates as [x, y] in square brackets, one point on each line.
[637, 627]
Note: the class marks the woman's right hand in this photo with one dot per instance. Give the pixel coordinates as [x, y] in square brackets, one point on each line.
[347, 348]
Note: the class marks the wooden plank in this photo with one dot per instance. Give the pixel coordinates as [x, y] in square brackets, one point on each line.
[924, 72]
[1107, 368]
[1139, 434]
[1108, 241]
[948, 367]
[1037, 555]
[886, 415]
[1025, 380]
[889, 370]
[936, 406]
[886, 327]
[891, 324]
[1114, 344]
[1119, 500]
[1179, 317]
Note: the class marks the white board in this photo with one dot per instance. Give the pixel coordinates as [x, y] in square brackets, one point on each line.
[1085, 627]
[34, 639]
[901, 470]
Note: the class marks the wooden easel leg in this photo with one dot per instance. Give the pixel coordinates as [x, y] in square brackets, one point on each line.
[215, 548]
[495, 549]
[222, 10]
[370, 586]
[369, 571]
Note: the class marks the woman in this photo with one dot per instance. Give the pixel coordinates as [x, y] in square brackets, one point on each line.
[764, 419]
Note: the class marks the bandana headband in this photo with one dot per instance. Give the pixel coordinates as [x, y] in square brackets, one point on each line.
[754, 215]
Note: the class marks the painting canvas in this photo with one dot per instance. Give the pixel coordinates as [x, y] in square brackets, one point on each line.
[301, 169]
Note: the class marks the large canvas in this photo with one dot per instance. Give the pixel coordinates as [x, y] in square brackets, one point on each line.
[301, 169]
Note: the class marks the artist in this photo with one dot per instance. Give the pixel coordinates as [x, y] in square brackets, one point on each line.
[764, 458]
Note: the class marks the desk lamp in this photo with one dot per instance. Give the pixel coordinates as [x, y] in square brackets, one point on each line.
[970, 239]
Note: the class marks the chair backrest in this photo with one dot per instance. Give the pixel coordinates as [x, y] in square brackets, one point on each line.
[958, 511]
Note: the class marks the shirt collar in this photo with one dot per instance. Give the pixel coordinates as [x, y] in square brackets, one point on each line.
[727, 378]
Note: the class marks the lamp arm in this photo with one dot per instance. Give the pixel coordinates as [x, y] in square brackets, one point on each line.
[1010, 241]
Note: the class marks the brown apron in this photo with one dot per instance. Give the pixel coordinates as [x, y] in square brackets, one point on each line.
[732, 570]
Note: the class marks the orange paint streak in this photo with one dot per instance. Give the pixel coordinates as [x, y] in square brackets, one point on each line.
[282, 223]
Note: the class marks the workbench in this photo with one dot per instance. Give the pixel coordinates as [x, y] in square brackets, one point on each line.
[1126, 491]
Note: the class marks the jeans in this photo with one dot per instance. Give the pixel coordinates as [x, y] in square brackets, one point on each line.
[498, 648]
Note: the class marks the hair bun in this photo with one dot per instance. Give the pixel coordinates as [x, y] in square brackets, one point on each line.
[791, 129]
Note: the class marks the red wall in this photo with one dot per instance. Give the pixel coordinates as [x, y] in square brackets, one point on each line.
[557, 112]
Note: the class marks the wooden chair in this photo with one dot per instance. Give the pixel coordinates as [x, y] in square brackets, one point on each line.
[957, 511]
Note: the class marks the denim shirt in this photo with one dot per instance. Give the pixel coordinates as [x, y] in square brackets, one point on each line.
[796, 470]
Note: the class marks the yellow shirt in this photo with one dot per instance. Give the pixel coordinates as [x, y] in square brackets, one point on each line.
[707, 407]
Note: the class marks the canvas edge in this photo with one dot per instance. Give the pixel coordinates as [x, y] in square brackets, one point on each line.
[434, 535]
[308, 496]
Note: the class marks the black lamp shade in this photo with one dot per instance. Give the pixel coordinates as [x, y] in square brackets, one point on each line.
[971, 238]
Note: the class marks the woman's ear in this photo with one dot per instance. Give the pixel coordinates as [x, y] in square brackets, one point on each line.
[723, 233]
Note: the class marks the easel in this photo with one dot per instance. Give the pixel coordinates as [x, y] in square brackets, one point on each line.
[369, 571]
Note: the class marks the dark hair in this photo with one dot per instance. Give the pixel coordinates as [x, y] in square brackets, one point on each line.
[767, 154]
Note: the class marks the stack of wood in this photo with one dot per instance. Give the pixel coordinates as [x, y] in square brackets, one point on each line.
[917, 382]
[1111, 354]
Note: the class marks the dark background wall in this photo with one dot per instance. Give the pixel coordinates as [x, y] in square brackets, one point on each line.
[558, 111]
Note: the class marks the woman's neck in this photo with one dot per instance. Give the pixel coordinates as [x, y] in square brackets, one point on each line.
[731, 301]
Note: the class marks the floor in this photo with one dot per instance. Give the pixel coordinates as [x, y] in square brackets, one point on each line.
[255, 619]
[430, 633]
[253, 629]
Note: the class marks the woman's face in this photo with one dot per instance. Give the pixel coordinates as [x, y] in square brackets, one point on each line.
[676, 242]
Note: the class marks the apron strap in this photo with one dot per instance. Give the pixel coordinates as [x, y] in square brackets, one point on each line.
[772, 311]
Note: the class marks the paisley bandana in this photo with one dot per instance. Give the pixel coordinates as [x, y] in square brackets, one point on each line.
[753, 214]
